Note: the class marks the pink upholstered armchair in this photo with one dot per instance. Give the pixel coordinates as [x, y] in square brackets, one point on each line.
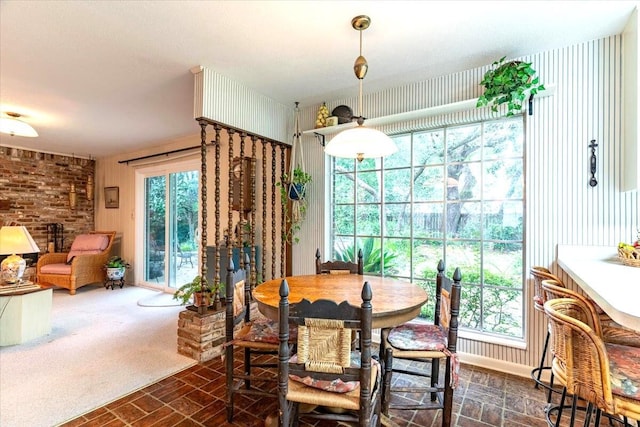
[82, 265]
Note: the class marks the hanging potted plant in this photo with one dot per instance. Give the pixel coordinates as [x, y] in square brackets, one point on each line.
[292, 193]
[116, 268]
[509, 82]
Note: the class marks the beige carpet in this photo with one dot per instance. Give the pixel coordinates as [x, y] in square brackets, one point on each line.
[103, 345]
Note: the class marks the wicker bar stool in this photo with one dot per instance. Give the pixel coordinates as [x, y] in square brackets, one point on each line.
[605, 375]
[539, 274]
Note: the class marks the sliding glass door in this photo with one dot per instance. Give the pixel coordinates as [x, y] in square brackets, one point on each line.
[169, 239]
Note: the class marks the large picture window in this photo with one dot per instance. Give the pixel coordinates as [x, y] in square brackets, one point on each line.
[453, 193]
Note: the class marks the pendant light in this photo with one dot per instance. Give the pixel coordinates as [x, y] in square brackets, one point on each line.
[360, 142]
[16, 127]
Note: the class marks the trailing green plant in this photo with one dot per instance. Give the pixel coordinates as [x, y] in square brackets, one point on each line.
[186, 291]
[292, 191]
[510, 82]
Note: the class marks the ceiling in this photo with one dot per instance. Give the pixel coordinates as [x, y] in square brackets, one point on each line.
[97, 78]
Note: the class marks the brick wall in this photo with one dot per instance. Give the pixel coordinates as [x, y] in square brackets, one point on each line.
[34, 192]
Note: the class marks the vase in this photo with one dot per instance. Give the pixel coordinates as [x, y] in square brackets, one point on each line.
[296, 191]
[115, 273]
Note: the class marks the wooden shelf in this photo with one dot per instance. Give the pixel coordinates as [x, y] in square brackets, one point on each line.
[454, 107]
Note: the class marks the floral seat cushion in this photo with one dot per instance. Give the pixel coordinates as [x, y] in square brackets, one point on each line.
[624, 370]
[266, 330]
[424, 337]
[418, 337]
[337, 385]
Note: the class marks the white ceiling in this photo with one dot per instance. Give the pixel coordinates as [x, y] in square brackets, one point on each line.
[97, 78]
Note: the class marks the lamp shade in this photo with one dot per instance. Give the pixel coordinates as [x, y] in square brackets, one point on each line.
[15, 240]
[360, 143]
[16, 127]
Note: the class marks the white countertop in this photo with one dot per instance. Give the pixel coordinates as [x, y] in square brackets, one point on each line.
[611, 284]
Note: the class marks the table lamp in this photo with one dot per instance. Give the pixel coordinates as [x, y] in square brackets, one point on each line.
[15, 240]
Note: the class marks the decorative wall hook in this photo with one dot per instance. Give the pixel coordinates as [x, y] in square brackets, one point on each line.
[593, 181]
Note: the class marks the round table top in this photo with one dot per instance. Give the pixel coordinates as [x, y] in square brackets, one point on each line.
[394, 301]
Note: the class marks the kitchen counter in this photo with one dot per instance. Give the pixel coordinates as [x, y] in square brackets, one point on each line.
[611, 284]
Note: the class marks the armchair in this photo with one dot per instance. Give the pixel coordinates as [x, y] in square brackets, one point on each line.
[82, 265]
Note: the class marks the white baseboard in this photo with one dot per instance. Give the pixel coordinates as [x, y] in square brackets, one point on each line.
[500, 365]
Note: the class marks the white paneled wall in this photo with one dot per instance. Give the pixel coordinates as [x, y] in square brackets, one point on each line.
[561, 208]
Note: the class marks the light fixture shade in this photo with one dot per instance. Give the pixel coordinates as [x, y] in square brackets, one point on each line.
[15, 127]
[360, 143]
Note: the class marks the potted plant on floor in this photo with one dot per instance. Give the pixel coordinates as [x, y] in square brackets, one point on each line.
[116, 268]
[510, 82]
[293, 190]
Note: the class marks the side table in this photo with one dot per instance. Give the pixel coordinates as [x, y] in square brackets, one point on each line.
[26, 315]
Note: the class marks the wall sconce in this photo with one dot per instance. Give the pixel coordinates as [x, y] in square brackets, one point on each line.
[90, 188]
[72, 196]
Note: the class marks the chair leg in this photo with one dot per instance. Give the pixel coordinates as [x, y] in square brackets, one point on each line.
[435, 376]
[574, 405]
[386, 381]
[587, 417]
[598, 415]
[564, 395]
[542, 358]
[447, 404]
[550, 391]
[247, 367]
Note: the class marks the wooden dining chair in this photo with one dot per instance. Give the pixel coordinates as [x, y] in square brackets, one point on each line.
[425, 343]
[604, 375]
[339, 267]
[258, 339]
[325, 375]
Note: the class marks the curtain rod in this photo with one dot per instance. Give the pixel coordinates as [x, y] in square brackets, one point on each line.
[166, 153]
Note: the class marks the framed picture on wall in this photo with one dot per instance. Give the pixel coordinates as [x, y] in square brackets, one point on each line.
[111, 197]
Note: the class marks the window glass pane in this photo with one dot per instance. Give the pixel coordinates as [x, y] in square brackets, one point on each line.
[343, 188]
[470, 306]
[463, 143]
[396, 219]
[463, 220]
[426, 255]
[371, 254]
[343, 249]
[343, 219]
[428, 183]
[344, 165]
[369, 164]
[503, 221]
[503, 265]
[395, 185]
[466, 256]
[428, 309]
[428, 148]
[502, 311]
[368, 187]
[402, 157]
[503, 138]
[427, 220]
[463, 181]
[368, 222]
[503, 179]
[396, 256]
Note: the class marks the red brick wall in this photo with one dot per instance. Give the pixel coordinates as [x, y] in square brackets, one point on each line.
[34, 191]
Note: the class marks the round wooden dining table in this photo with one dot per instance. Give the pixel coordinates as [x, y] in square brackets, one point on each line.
[394, 301]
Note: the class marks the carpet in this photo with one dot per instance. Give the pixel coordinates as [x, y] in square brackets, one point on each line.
[158, 299]
[102, 346]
